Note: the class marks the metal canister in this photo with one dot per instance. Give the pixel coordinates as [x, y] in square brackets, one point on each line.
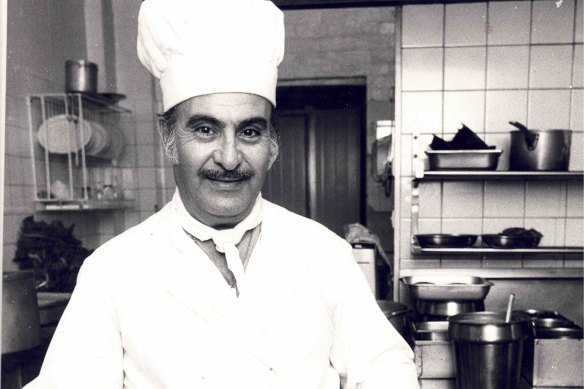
[80, 76]
[488, 350]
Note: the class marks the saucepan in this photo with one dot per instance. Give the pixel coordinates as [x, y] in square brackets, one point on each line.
[539, 149]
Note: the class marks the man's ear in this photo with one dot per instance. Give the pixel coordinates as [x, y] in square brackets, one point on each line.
[274, 151]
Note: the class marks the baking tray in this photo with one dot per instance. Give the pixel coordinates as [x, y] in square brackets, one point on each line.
[451, 288]
[463, 159]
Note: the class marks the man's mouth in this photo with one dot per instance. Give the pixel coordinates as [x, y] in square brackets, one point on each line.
[226, 175]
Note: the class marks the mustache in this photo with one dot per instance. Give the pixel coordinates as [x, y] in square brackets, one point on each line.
[226, 174]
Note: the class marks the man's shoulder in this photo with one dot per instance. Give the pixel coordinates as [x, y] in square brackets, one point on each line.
[291, 225]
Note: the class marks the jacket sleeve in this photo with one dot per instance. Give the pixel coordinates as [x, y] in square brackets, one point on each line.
[86, 349]
[367, 351]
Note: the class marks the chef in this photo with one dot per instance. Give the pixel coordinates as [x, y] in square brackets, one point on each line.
[221, 288]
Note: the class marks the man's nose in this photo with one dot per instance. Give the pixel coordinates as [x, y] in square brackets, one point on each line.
[228, 154]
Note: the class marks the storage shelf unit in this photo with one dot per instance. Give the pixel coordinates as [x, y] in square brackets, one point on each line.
[459, 175]
[471, 175]
[71, 133]
[488, 250]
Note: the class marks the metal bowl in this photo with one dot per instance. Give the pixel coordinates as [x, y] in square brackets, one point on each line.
[431, 330]
[552, 322]
[540, 313]
[445, 240]
[440, 310]
[499, 241]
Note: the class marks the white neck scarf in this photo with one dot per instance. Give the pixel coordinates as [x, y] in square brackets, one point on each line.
[225, 240]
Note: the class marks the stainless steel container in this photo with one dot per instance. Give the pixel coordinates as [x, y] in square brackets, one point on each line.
[80, 76]
[488, 351]
[463, 159]
[544, 150]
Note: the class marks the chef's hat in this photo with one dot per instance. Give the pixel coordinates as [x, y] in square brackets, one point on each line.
[197, 47]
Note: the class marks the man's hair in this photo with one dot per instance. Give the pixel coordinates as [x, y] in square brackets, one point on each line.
[167, 126]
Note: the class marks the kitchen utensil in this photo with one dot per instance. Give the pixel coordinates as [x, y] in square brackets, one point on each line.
[445, 240]
[463, 159]
[500, 241]
[488, 349]
[440, 310]
[447, 288]
[539, 149]
[509, 308]
[62, 134]
[570, 331]
[20, 315]
[80, 76]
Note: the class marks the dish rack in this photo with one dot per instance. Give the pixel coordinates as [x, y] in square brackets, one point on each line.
[72, 136]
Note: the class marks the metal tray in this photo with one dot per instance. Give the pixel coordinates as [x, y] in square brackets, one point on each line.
[463, 159]
[450, 288]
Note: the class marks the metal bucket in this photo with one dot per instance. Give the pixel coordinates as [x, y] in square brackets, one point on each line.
[80, 76]
[487, 350]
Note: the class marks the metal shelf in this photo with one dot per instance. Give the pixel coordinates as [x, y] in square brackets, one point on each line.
[487, 250]
[81, 205]
[499, 273]
[435, 175]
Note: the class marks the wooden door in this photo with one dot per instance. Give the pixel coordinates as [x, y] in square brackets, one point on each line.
[319, 171]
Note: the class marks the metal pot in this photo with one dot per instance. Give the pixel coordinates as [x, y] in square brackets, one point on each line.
[398, 315]
[539, 149]
[20, 314]
[80, 76]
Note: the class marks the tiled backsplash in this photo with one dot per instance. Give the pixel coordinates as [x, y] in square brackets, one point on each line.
[485, 64]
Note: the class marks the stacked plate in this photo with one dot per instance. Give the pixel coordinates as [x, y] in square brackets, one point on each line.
[61, 134]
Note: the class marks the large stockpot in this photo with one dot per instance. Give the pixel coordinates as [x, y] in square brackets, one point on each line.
[539, 149]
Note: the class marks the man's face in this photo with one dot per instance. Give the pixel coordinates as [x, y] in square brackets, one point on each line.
[224, 152]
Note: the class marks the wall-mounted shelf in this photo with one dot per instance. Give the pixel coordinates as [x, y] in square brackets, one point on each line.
[500, 273]
[82, 205]
[487, 250]
[459, 175]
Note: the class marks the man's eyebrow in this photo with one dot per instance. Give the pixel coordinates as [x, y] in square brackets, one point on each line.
[256, 120]
[195, 119]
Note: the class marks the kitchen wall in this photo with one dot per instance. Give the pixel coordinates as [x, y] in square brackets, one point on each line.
[485, 64]
[41, 37]
[336, 44]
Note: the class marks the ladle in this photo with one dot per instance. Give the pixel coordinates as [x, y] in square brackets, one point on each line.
[531, 137]
[509, 308]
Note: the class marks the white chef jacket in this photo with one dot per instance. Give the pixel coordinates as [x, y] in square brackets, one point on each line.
[150, 310]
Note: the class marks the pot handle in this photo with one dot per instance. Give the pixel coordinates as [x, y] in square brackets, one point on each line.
[531, 137]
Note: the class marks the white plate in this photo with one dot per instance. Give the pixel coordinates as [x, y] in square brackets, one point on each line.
[61, 135]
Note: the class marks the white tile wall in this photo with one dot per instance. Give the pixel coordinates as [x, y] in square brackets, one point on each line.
[422, 112]
[578, 72]
[507, 67]
[509, 22]
[545, 199]
[423, 25]
[504, 199]
[503, 107]
[462, 199]
[552, 22]
[464, 68]
[549, 109]
[532, 74]
[422, 69]
[551, 66]
[465, 24]
[579, 35]
[464, 107]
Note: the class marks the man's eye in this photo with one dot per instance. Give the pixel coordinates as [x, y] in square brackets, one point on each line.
[204, 131]
[250, 133]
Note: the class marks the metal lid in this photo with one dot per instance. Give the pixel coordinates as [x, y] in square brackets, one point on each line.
[488, 327]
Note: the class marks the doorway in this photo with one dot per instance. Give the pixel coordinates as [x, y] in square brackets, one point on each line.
[320, 173]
